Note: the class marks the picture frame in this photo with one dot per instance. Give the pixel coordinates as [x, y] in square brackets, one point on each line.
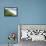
[10, 11]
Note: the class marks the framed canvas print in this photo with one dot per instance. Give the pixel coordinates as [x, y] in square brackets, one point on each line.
[10, 11]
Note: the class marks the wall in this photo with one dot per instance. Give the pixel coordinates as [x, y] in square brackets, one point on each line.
[29, 12]
[7, 24]
[33, 12]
